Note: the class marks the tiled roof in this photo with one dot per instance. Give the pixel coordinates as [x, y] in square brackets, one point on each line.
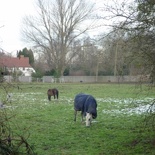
[14, 62]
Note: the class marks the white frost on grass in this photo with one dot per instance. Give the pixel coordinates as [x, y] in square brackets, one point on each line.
[123, 101]
[140, 106]
[128, 106]
[138, 110]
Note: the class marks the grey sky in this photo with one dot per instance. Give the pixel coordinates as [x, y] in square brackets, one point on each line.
[11, 14]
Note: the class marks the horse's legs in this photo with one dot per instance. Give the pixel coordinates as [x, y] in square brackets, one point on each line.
[75, 112]
[81, 116]
[57, 94]
[49, 97]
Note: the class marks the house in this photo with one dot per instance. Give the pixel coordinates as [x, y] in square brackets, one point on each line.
[18, 65]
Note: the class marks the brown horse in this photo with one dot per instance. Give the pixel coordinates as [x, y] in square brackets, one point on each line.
[52, 92]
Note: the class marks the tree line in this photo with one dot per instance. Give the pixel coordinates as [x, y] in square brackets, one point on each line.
[58, 35]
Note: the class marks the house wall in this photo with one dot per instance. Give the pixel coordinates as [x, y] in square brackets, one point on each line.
[27, 71]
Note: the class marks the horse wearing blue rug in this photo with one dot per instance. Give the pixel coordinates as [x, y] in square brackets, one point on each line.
[87, 105]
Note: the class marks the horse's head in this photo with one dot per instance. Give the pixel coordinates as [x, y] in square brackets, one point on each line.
[88, 119]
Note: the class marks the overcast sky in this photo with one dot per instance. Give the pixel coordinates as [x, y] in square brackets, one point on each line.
[11, 14]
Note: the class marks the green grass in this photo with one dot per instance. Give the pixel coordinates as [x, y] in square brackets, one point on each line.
[52, 131]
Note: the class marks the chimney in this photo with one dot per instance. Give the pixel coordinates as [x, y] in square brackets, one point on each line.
[21, 56]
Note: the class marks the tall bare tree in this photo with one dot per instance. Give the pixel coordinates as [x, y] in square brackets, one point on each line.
[57, 25]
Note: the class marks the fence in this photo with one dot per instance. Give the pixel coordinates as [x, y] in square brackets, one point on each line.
[78, 79]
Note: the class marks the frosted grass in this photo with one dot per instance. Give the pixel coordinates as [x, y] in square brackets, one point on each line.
[139, 106]
[116, 106]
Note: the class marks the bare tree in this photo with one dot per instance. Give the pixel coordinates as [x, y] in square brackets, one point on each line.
[56, 27]
[136, 19]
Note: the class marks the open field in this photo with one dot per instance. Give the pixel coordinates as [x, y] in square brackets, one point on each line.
[118, 130]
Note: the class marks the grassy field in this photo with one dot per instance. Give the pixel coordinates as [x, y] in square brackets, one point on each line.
[118, 130]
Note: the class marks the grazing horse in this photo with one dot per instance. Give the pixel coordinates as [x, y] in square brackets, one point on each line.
[52, 92]
[87, 105]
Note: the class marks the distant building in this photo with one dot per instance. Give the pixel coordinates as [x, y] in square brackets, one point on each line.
[15, 64]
